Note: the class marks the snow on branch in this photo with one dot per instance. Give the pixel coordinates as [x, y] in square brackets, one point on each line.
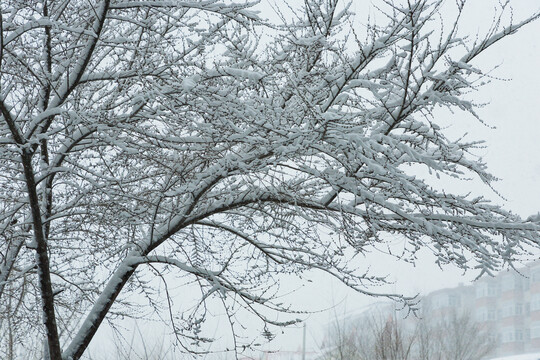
[145, 141]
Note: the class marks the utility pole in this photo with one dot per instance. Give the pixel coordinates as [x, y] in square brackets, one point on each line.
[304, 344]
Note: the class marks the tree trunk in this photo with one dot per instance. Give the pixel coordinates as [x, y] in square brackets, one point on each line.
[42, 262]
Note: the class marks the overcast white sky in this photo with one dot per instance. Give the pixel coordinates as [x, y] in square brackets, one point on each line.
[512, 153]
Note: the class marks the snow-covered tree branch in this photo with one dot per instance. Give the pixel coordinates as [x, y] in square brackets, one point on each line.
[199, 139]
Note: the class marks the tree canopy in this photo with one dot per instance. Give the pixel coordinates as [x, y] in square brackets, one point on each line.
[196, 138]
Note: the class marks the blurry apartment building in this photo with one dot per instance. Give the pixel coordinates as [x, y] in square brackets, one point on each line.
[507, 304]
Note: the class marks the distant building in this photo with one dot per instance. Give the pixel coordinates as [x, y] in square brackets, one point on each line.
[508, 304]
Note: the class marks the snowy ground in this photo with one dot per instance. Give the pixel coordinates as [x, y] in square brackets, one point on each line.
[532, 356]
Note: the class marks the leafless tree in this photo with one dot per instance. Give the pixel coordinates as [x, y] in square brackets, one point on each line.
[192, 140]
[456, 337]
[386, 335]
[375, 335]
[393, 342]
[342, 341]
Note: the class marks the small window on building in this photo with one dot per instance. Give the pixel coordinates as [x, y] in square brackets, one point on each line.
[454, 300]
[492, 314]
[535, 302]
[507, 283]
[481, 290]
[493, 289]
[535, 330]
[508, 335]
